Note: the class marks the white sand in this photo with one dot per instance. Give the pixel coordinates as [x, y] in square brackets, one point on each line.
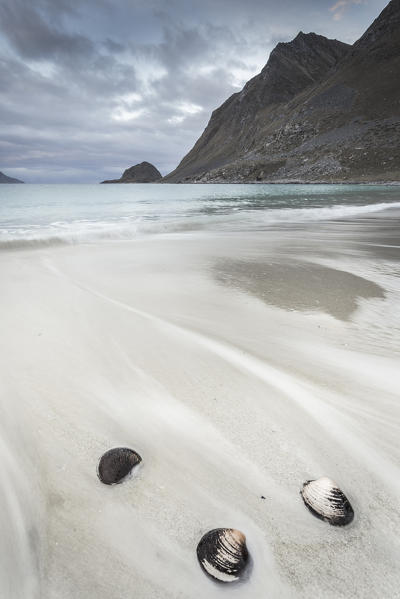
[226, 398]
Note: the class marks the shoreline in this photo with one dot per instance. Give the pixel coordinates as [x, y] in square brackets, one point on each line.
[282, 182]
[234, 182]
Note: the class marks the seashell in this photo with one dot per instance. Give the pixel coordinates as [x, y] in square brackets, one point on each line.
[326, 501]
[223, 554]
[116, 464]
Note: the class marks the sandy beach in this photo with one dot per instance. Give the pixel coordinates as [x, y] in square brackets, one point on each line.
[238, 366]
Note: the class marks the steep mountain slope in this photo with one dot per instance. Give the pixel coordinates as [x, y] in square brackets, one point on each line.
[319, 110]
[139, 173]
[5, 179]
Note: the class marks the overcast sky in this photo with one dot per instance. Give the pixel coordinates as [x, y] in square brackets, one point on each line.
[90, 87]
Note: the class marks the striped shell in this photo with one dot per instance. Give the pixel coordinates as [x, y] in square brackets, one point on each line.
[326, 501]
[223, 554]
[116, 464]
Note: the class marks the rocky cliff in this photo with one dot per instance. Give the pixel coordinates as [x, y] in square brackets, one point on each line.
[320, 110]
[5, 179]
[140, 173]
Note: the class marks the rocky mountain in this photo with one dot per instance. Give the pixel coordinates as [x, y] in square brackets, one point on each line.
[320, 110]
[140, 173]
[5, 179]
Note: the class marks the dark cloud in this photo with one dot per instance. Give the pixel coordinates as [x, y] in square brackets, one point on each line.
[32, 37]
[113, 47]
[90, 87]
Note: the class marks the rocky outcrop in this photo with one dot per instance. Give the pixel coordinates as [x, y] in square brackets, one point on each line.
[320, 110]
[140, 173]
[5, 179]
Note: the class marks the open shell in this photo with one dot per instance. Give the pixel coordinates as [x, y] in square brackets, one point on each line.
[222, 553]
[116, 464]
[326, 501]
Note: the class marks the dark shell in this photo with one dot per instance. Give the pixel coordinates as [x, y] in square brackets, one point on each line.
[116, 464]
[325, 500]
[222, 553]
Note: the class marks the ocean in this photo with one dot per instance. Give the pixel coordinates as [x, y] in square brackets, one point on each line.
[32, 214]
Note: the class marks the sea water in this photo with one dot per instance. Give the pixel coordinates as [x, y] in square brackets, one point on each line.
[83, 213]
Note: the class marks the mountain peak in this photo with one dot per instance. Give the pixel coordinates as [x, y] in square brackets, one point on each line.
[312, 42]
[307, 37]
[145, 172]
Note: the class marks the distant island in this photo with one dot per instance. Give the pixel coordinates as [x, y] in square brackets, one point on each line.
[319, 111]
[139, 173]
[5, 179]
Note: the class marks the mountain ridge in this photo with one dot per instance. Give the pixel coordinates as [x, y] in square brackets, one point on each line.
[319, 110]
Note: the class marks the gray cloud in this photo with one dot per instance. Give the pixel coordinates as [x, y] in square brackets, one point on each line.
[32, 37]
[90, 87]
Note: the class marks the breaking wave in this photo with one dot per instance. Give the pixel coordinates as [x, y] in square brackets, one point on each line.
[235, 217]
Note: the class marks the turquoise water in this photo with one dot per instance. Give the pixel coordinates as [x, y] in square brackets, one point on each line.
[82, 213]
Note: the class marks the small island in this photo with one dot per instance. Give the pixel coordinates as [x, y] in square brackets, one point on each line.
[5, 179]
[145, 172]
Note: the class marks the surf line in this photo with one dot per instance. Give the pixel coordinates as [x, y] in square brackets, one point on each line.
[303, 393]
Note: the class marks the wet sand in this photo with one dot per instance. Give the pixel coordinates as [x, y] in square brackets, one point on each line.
[238, 366]
[299, 285]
